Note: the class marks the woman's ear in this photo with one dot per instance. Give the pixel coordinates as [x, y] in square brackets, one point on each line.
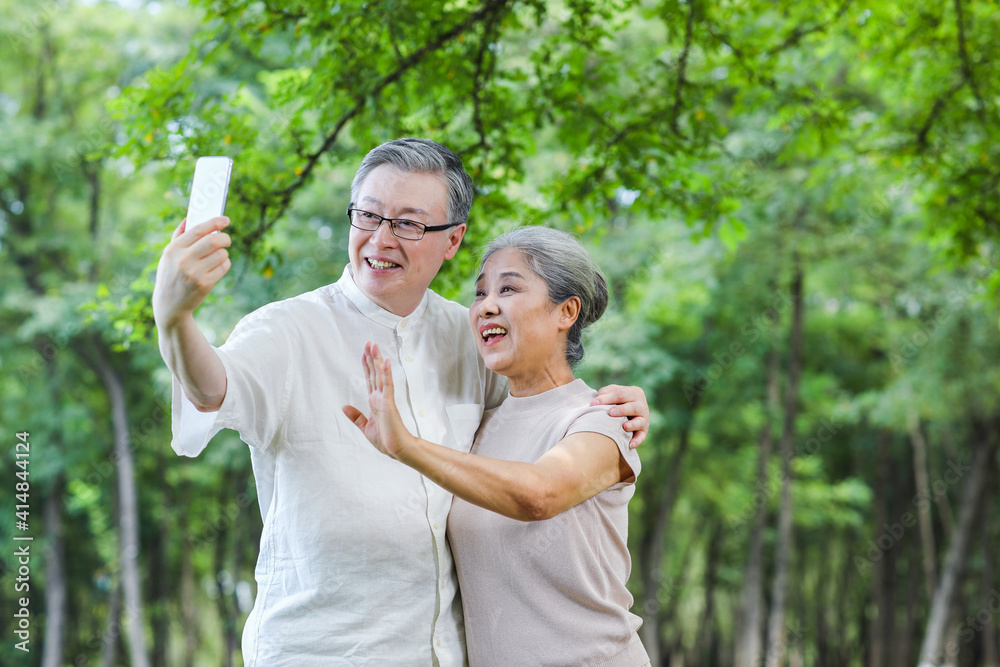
[569, 312]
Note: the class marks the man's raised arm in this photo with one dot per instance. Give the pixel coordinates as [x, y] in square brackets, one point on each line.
[191, 264]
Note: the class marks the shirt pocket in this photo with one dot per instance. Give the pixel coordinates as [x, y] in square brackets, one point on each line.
[463, 420]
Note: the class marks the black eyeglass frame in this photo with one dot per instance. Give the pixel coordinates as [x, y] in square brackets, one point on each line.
[395, 221]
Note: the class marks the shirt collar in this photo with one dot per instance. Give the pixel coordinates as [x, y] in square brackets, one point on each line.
[372, 310]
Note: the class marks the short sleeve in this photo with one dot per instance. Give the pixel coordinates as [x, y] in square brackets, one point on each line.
[595, 419]
[191, 429]
[256, 357]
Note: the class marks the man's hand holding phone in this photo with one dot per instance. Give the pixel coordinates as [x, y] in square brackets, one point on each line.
[191, 264]
[196, 257]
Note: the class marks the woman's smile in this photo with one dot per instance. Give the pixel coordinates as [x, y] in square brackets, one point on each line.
[492, 333]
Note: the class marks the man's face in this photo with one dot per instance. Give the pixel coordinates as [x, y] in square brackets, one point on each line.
[395, 272]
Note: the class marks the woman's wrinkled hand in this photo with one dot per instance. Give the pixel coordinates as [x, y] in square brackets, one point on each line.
[384, 428]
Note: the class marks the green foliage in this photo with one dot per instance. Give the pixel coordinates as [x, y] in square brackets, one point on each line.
[702, 151]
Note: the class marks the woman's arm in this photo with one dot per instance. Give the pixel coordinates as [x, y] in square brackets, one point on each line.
[579, 467]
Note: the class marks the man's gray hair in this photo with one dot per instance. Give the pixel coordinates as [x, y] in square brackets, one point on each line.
[564, 264]
[424, 157]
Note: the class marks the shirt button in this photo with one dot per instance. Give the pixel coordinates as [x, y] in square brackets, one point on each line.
[437, 526]
[438, 643]
[402, 324]
[442, 587]
[421, 413]
[409, 360]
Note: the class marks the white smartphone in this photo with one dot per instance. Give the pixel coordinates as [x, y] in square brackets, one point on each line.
[209, 189]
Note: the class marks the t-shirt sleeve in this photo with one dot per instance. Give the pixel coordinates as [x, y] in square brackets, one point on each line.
[191, 429]
[595, 419]
[256, 358]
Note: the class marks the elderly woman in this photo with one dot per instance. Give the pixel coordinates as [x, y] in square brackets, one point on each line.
[539, 523]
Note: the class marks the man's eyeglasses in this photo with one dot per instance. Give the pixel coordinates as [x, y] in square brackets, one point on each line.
[404, 229]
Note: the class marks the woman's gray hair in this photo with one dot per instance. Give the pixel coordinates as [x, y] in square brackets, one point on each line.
[425, 157]
[564, 264]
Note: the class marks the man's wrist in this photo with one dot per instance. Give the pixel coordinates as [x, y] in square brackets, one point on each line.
[169, 326]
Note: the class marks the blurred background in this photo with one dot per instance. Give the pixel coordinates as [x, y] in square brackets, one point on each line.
[796, 207]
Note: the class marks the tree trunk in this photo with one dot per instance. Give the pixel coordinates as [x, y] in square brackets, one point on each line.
[128, 540]
[822, 636]
[238, 547]
[228, 622]
[55, 574]
[189, 609]
[924, 509]
[652, 548]
[112, 629]
[159, 596]
[882, 569]
[905, 650]
[671, 649]
[845, 652]
[864, 628]
[982, 468]
[190, 621]
[751, 629]
[776, 622]
[826, 634]
[953, 633]
[945, 513]
[989, 637]
[226, 600]
[706, 646]
[796, 648]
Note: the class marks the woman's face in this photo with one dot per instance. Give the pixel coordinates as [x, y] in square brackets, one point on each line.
[519, 332]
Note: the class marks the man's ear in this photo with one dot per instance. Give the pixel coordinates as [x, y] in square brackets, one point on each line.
[569, 311]
[455, 235]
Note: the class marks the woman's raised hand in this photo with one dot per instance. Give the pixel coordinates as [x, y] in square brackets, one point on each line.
[384, 428]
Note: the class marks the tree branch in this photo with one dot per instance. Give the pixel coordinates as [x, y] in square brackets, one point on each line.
[491, 8]
[793, 39]
[741, 59]
[483, 72]
[936, 110]
[682, 69]
[967, 72]
[796, 35]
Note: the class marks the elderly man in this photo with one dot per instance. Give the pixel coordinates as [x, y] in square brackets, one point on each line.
[354, 568]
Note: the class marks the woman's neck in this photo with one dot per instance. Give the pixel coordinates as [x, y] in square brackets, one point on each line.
[537, 381]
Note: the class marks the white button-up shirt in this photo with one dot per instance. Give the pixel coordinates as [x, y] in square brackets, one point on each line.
[354, 567]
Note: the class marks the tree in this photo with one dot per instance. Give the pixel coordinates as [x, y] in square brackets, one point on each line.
[678, 139]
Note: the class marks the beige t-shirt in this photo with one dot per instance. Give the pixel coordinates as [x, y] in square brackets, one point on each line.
[548, 592]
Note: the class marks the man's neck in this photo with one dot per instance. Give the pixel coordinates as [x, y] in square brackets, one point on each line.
[398, 309]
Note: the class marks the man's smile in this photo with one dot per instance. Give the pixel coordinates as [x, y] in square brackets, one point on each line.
[381, 264]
